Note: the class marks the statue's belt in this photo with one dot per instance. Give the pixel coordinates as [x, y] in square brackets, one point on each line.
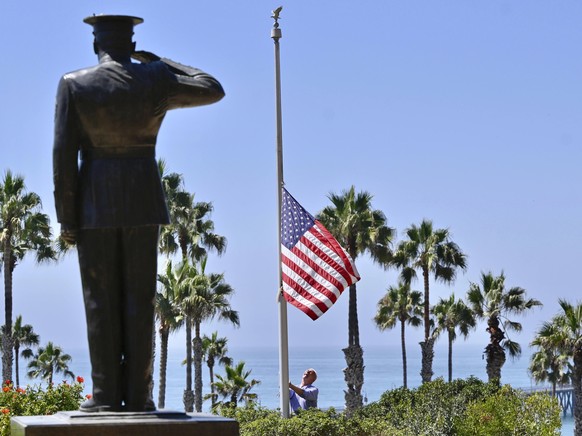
[129, 152]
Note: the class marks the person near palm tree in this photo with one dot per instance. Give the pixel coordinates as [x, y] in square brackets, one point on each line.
[112, 206]
[305, 395]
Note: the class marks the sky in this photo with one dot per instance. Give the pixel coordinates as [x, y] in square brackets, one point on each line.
[465, 113]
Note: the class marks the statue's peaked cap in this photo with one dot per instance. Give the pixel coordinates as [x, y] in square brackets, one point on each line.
[108, 23]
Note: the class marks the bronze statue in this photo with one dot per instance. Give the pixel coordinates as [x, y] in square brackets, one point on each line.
[112, 204]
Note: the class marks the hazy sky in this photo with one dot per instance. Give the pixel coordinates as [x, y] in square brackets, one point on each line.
[466, 113]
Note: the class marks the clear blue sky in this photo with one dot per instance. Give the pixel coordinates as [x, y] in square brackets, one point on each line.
[466, 113]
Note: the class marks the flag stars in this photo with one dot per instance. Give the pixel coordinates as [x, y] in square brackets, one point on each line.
[295, 220]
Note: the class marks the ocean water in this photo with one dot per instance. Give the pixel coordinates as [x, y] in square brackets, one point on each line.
[383, 371]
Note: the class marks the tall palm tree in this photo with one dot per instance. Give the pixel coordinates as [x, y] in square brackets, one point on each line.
[491, 301]
[235, 385]
[567, 333]
[23, 336]
[450, 315]
[359, 229]
[550, 362]
[428, 251]
[203, 297]
[48, 361]
[214, 349]
[169, 319]
[23, 228]
[400, 304]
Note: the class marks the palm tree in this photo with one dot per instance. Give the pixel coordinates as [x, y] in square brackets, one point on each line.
[177, 200]
[191, 231]
[493, 302]
[48, 361]
[451, 315]
[179, 280]
[169, 320]
[235, 385]
[550, 362]
[566, 332]
[400, 304]
[23, 335]
[214, 349]
[23, 228]
[203, 297]
[358, 228]
[429, 251]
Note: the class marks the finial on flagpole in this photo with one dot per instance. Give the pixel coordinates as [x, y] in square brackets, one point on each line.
[275, 31]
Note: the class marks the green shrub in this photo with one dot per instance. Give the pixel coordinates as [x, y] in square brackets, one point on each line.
[462, 407]
[431, 409]
[255, 420]
[35, 401]
[510, 412]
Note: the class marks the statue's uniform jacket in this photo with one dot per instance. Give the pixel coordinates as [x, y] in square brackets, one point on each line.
[108, 116]
[111, 114]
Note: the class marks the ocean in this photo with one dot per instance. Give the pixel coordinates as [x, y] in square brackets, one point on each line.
[383, 371]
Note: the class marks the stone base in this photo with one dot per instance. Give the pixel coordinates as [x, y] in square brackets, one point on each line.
[124, 424]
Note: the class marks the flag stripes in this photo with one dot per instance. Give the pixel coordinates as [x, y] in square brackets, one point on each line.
[315, 268]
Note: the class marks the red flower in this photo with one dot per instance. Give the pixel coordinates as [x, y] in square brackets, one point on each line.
[80, 379]
[8, 382]
[6, 389]
[5, 411]
[20, 390]
[88, 396]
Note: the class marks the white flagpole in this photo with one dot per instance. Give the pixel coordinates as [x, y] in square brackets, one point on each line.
[283, 336]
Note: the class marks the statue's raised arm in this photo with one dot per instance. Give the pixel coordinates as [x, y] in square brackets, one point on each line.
[192, 86]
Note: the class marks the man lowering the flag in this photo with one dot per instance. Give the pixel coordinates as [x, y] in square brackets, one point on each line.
[304, 396]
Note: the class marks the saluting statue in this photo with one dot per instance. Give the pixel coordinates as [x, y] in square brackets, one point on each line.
[112, 203]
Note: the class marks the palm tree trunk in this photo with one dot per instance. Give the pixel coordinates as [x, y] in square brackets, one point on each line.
[494, 351]
[577, 384]
[188, 394]
[427, 355]
[153, 360]
[164, 336]
[7, 342]
[403, 342]
[354, 377]
[353, 329]
[426, 304]
[183, 243]
[427, 345]
[450, 356]
[354, 373]
[16, 369]
[197, 368]
[211, 371]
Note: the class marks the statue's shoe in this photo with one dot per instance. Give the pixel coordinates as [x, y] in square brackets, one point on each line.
[91, 406]
[149, 406]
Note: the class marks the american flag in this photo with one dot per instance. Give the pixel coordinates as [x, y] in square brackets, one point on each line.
[315, 268]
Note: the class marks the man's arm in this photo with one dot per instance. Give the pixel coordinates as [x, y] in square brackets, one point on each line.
[296, 389]
[306, 392]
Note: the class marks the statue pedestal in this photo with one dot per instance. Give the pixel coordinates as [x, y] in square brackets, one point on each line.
[124, 424]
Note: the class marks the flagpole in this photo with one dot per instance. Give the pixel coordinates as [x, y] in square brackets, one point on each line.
[283, 336]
